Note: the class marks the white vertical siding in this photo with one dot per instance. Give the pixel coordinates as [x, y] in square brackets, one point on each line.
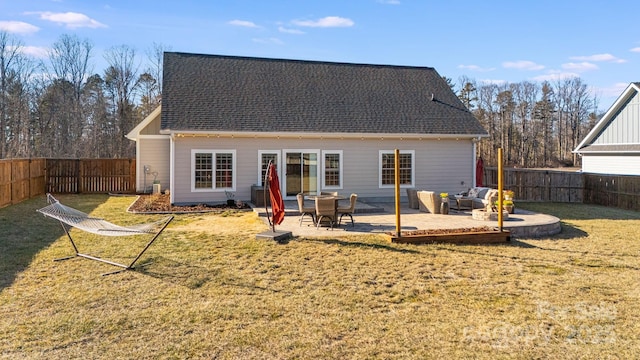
[440, 165]
[611, 164]
[624, 128]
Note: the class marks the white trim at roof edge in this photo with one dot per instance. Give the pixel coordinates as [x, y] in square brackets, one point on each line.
[607, 117]
[302, 135]
[135, 132]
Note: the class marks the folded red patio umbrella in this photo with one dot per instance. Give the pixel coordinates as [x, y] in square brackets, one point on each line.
[479, 171]
[277, 204]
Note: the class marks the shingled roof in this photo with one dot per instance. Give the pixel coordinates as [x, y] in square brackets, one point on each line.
[241, 94]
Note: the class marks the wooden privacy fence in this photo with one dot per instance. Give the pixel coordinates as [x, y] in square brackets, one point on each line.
[539, 185]
[91, 176]
[621, 191]
[21, 179]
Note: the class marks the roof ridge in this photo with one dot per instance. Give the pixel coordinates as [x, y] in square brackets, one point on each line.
[252, 58]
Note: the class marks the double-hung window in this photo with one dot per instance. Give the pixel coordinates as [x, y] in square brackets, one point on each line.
[213, 170]
[387, 168]
[332, 169]
[264, 156]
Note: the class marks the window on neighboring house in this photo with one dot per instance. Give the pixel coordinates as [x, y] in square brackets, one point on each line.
[213, 169]
[332, 168]
[387, 168]
[265, 157]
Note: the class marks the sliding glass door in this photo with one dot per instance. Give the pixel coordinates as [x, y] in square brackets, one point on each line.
[301, 172]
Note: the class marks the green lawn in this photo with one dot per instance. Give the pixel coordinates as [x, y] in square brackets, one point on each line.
[211, 290]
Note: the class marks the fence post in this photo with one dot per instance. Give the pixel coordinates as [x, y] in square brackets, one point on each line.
[132, 176]
[79, 174]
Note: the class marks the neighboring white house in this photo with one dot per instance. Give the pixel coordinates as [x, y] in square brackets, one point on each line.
[613, 145]
[327, 126]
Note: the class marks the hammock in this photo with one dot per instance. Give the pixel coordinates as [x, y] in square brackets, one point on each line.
[70, 217]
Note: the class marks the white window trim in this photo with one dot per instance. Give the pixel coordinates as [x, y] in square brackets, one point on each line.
[413, 168]
[278, 158]
[323, 170]
[213, 152]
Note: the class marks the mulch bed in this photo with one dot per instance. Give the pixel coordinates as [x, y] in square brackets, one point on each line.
[160, 203]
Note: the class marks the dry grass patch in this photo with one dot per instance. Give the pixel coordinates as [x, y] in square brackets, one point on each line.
[211, 290]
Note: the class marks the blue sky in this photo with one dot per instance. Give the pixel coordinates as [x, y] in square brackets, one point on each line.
[493, 41]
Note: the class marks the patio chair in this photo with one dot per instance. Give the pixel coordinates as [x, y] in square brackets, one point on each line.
[325, 208]
[348, 210]
[304, 211]
[429, 201]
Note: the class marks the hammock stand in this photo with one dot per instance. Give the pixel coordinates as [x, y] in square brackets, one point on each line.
[70, 217]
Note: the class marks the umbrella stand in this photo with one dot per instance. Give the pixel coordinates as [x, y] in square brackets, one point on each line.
[273, 234]
[266, 186]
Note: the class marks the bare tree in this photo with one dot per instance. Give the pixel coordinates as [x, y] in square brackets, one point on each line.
[18, 95]
[121, 82]
[155, 69]
[544, 111]
[525, 95]
[69, 60]
[9, 56]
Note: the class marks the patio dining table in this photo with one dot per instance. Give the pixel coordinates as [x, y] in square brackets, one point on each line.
[336, 198]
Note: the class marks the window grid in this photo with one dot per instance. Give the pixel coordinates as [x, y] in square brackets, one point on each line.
[203, 171]
[388, 169]
[224, 170]
[332, 169]
[265, 164]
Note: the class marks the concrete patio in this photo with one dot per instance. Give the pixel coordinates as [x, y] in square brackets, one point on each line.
[380, 218]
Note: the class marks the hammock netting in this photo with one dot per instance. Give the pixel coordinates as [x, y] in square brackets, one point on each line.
[82, 221]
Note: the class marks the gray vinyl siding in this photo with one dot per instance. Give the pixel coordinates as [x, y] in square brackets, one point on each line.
[155, 153]
[153, 128]
[625, 126]
[611, 164]
[440, 165]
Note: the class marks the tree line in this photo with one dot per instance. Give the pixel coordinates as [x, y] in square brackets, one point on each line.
[58, 107]
[536, 124]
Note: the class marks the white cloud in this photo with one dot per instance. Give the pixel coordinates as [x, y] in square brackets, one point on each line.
[475, 68]
[580, 67]
[243, 23]
[35, 51]
[613, 91]
[268, 41]
[493, 81]
[282, 29]
[522, 65]
[72, 20]
[635, 49]
[555, 76]
[18, 27]
[599, 57]
[325, 22]
[390, 2]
